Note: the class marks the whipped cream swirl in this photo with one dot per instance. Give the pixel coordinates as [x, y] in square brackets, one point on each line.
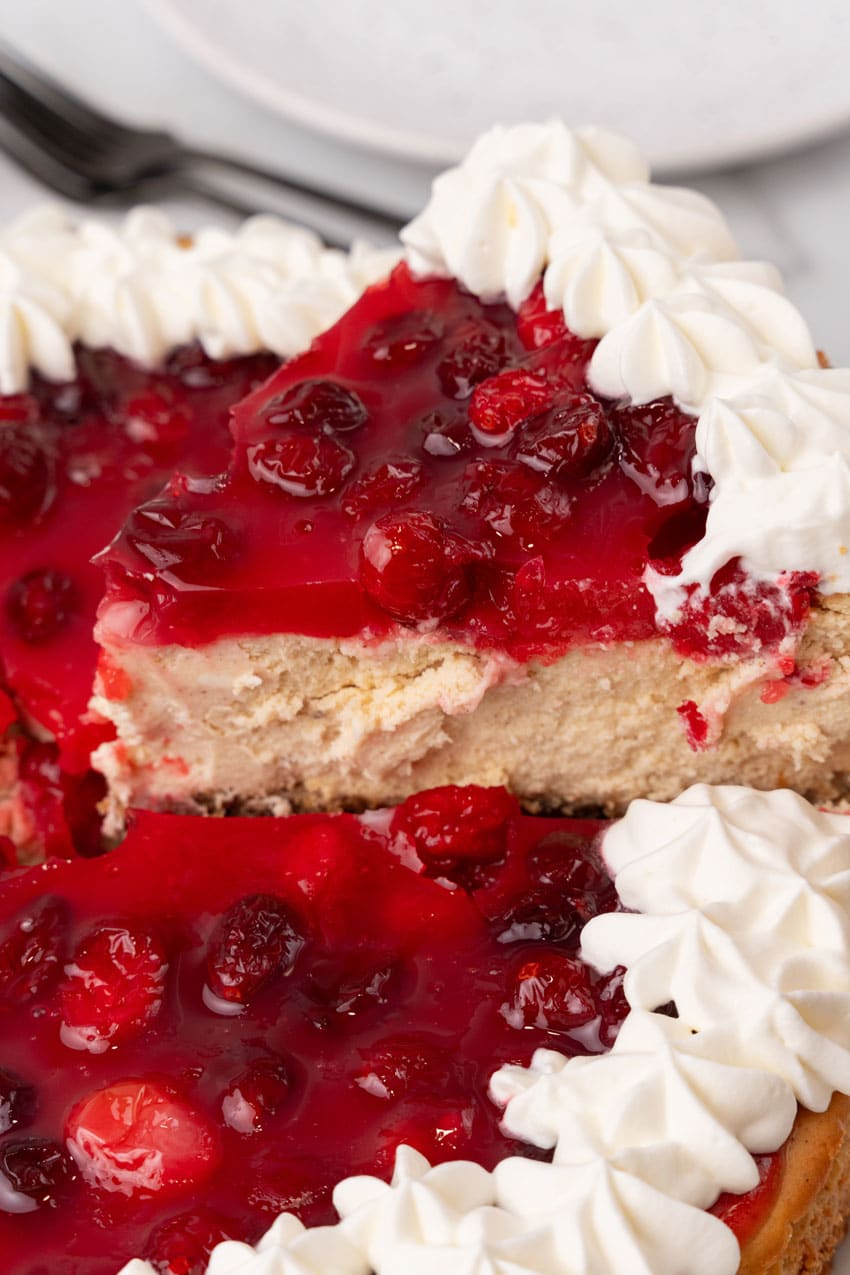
[742, 921]
[142, 289]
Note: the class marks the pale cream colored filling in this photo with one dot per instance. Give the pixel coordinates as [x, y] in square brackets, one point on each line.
[283, 721]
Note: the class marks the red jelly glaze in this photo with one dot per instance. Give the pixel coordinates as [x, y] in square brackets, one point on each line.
[544, 503]
[535, 542]
[262, 1075]
[75, 459]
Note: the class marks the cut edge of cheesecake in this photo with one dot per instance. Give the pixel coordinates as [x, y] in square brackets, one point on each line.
[280, 722]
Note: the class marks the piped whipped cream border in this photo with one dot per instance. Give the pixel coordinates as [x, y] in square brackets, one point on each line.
[143, 289]
[741, 919]
[654, 273]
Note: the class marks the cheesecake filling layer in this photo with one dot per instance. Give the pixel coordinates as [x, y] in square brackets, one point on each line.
[272, 723]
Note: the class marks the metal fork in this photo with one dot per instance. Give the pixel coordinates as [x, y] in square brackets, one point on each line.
[86, 156]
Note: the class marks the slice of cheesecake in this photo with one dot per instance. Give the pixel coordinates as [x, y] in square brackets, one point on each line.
[554, 506]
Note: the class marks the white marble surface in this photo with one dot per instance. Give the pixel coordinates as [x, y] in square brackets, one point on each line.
[794, 210]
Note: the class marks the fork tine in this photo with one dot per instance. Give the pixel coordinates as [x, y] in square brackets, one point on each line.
[32, 118]
[43, 165]
[65, 104]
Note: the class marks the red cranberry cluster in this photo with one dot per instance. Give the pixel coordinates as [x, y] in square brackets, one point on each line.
[418, 465]
[183, 1017]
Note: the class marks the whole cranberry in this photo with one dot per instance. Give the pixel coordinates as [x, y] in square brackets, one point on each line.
[315, 406]
[542, 915]
[32, 950]
[503, 402]
[113, 986]
[613, 1006]
[301, 464]
[384, 487]
[176, 541]
[348, 987]
[138, 1137]
[455, 830]
[551, 991]
[572, 867]
[416, 568]
[537, 324]
[515, 503]
[25, 476]
[37, 1168]
[568, 441]
[259, 1091]
[18, 1101]
[480, 352]
[40, 604]
[182, 1245]
[255, 941]
[404, 1065]
[402, 339]
[658, 448]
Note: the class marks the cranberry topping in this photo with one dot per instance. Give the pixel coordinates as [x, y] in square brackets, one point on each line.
[337, 942]
[389, 483]
[545, 504]
[40, 605]
[568, 441]
[302, 464]
[25, 478]
[315, 406]
[192, 1125]
[113, 986]
[36, 1169]
[32, 946]
[257, 939]
[182, 1245]
[415, 567]
[140, 1137]
[18, 1101]
[502, 403]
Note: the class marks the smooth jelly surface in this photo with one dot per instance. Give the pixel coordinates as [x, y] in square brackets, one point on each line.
[272, 1005]
[75, 460]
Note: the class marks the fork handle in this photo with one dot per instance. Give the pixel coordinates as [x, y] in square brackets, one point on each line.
[339, 218]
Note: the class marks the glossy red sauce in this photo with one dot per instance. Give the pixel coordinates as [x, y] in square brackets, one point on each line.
[376, 971]
[362, 491]
[75, 459]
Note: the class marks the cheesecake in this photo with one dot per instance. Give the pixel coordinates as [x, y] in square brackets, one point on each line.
[560, 504]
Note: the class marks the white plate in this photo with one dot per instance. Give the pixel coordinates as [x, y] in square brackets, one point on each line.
[697, 85]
